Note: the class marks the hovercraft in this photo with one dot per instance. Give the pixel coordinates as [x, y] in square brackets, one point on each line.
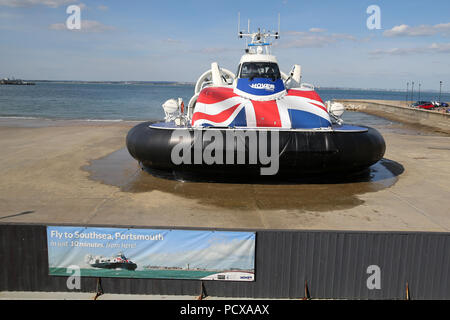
[119, 261]
[259, 122]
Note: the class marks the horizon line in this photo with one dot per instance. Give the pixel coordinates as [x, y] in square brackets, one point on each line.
[193, 83]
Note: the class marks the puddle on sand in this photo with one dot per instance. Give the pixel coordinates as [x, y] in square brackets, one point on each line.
[121, 170]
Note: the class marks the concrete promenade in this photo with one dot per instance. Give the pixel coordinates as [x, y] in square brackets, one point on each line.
[75, 172]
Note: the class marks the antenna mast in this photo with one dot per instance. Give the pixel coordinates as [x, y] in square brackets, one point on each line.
[239, 22]
[279, 20]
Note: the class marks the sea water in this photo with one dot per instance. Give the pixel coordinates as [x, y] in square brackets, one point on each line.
[140, 273]
[137, 101]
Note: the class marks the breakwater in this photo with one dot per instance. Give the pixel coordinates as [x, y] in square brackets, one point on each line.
[399, 111]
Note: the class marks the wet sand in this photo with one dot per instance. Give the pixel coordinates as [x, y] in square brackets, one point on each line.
[77, 172]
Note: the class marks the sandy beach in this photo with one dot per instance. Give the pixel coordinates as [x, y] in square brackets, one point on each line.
[79, 172]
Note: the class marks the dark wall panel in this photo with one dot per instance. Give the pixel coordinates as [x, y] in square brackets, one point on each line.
[333, 264]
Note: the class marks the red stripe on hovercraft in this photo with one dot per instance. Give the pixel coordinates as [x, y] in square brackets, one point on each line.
[215, 95]
[217, 118]
[305, 94]
[318, 105]
[266, 113]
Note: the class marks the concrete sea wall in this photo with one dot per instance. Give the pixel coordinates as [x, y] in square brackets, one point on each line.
[399, 111]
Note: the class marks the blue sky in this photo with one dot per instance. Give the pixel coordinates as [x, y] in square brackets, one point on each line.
[177, 40]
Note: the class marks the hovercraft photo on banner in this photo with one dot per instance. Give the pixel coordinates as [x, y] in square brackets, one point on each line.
[151, 253]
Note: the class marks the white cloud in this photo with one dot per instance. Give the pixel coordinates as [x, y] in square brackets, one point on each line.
[417, 31]
[102, 7]
[314, 38]
[317, 30]
[440, 47]
[213, 50]
[90, 26]
[433, 48]
[172, 41]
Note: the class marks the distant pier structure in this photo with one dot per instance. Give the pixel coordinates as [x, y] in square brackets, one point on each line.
[15, 82]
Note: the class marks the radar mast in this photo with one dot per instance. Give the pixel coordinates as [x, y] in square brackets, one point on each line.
[260, 40]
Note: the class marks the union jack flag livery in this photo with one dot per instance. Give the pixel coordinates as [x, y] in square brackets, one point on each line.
[297, 109]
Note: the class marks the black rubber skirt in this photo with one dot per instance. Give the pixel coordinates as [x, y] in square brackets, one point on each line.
[240, 153]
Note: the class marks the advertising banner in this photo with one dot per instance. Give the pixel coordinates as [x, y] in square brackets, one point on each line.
[151, 253]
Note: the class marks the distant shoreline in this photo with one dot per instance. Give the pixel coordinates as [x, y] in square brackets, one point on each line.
[115, 82]
[180, 83]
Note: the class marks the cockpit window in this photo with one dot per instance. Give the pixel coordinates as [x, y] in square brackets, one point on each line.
[260, 70]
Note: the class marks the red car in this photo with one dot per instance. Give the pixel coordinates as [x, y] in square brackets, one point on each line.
[426, 106]
[423, 105]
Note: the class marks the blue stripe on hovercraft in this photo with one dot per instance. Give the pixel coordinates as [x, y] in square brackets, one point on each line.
[306, 120]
